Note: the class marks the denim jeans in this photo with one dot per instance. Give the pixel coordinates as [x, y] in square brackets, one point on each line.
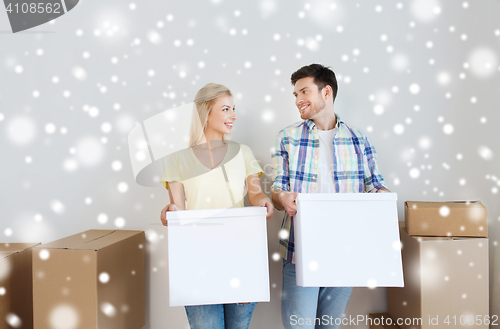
[220, 316]
[311, 307]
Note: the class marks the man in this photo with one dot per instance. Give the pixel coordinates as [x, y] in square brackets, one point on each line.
[320, 154]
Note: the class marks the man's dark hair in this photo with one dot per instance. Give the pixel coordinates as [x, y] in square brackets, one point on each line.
[322, 75]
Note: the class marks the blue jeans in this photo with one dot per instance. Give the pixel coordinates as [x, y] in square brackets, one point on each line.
[220, 316]
[311, 307]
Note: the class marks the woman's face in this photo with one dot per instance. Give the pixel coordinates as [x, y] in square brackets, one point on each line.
[221, 117]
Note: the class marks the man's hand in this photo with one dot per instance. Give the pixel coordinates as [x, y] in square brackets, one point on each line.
[266, 202]
[383, 190]
[163, 216]
[287, 199]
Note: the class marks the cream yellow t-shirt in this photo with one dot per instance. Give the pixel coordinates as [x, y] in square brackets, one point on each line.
[207, 188]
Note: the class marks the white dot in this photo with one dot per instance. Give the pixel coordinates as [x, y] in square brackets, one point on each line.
[276, 37]
[132, 6]
[201, 65]
[378, 9]
[473, 100]
[64, 316]
[86, 55]
[462, 181]
[104, 277]
[13, 320]
[234, 283]
[485, 153]
[38, 218]
[50, 128]
[248, 65]
[123, 187]
[119, 222]
[36, 94]
[2, 291]
[414, 173]
[88, 200]
[18, 69]
[106, 127]
[378, 109]
[482, 120]
[283, 234]
[44, 254]
[444, 211]
[399, 129]
[170, 17]
[108, 309]
[414, 88]
[313, 265]
[116, 165]
[443, 78]
[276, 256]
[371, 284]
[448, 129]
[102, 218]
[7, 232]
[57, 206]
[429, 44]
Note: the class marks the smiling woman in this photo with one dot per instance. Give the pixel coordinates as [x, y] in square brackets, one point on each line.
[212, 174]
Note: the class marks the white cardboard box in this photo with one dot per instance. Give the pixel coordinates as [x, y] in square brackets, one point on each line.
[218, 256]
[347, 240]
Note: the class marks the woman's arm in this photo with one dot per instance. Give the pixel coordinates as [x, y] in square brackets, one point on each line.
[257, 197]
[177, 200]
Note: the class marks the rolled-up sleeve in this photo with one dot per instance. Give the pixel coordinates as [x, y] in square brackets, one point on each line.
[373, 178]
[279, 156]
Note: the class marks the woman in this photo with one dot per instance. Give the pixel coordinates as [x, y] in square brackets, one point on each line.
[211, 174]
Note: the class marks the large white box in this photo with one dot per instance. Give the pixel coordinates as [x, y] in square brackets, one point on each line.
[218, 256]
[347, 240]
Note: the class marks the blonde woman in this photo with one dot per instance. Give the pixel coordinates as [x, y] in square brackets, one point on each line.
[211, 174]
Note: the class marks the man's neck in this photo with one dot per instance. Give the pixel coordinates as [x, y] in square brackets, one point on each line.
[327, 121]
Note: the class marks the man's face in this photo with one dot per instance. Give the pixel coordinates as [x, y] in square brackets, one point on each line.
[308, 99]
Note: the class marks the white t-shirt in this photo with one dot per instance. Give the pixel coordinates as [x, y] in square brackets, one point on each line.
[325, 161]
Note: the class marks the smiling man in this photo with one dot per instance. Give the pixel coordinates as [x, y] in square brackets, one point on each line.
[320, 154]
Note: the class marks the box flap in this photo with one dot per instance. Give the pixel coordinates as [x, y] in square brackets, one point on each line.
[16, 246]
[6, 254]
[346, 197]
[89, 240]
[216, 213]
[449, 204]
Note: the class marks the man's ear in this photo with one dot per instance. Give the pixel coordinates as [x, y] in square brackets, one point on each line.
[327, 91]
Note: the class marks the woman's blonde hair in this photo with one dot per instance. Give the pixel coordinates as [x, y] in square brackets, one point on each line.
[204, 101]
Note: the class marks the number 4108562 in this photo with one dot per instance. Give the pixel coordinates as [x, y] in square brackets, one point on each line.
[34, 8]
[471, 320]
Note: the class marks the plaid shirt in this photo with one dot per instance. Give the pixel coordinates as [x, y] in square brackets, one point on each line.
[295, 167]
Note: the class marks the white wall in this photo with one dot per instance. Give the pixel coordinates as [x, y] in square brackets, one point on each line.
[377, 55]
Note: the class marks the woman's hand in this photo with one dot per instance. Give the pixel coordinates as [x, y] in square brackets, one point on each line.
[266, 202]
[163, 216]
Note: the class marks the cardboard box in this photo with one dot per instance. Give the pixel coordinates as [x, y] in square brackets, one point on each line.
[90, 280]
[347, 240]
[218, 256]
[381, 321]
[454, 218]
[16, 307]
[445, 279]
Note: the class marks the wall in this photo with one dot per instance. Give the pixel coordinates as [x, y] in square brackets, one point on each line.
[419, 78]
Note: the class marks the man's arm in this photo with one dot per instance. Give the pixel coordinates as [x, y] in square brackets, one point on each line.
[374, 182]
[281, 196]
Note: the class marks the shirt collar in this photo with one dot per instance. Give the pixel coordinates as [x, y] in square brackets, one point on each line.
[311, 125]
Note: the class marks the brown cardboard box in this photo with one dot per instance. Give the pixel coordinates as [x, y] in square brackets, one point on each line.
[446, 279]
[381, 321]
[454, 218]
[90, 280]
[16, 307]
